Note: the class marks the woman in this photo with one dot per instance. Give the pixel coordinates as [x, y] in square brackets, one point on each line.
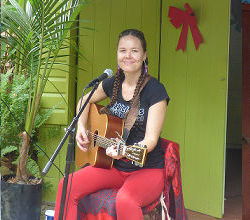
[137, 186]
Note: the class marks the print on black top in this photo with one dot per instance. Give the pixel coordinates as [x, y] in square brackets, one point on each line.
[152, 93]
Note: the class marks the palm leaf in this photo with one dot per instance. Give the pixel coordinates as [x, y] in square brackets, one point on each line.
[36, 32]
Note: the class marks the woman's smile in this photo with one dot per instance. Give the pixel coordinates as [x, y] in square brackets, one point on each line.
[128, 62]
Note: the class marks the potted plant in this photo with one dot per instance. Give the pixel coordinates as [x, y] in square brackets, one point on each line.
[33, 34]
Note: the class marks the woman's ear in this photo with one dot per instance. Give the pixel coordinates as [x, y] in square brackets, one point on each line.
[144, 56]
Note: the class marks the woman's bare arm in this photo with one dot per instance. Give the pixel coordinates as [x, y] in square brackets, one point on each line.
[156, 117]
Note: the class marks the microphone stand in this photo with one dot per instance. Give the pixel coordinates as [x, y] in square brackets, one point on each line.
[70, 131]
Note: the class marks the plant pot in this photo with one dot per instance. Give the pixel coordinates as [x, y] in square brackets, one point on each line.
[20, 201]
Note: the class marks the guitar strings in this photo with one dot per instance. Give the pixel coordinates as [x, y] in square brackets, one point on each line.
[102, 140]
[106, 141]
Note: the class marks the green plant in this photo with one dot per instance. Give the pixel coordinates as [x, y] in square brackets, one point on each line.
[32, 40]
[15, 93]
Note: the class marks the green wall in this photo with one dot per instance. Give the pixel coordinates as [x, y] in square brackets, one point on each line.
[50, 136]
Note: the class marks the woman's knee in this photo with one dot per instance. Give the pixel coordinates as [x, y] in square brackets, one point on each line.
[124, 199]
[127, 207]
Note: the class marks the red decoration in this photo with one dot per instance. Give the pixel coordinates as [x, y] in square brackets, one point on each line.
[186, 19]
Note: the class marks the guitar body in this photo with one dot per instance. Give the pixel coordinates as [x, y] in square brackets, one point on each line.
[104, 125]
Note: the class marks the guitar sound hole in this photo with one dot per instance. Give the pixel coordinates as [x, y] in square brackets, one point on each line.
[95, 137]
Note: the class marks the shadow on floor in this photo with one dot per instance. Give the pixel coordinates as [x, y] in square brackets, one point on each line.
[233, 211]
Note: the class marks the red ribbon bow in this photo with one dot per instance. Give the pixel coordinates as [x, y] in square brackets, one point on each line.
[187, 19]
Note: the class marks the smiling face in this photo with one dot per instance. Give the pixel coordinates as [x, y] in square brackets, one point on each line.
[130, 54]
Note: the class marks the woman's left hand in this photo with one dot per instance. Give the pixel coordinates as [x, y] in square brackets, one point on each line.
[112, 152]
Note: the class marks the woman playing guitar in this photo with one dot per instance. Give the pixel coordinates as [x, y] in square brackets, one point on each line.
[138, 186]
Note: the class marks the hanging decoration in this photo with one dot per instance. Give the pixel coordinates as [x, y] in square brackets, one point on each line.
[186, 19]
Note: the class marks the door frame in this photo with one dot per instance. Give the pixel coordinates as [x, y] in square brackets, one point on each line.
[245, 111]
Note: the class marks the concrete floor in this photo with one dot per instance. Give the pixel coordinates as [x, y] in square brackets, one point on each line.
[233, 211]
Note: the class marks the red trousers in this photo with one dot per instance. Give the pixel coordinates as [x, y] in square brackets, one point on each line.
[136, 189]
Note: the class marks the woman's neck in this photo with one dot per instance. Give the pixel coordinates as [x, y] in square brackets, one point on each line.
[131, 78]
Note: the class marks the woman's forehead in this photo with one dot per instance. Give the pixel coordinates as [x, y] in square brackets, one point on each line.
[129, 41]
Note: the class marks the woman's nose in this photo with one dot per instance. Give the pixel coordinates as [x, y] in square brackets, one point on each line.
[128, 54]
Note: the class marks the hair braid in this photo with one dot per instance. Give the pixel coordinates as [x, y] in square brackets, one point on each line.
[138, 86]
[117, 82]
[115, 89]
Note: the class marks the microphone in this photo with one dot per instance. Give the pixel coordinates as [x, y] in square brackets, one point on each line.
[107, 74]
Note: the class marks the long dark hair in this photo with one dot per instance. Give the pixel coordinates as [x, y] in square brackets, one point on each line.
[120, 75]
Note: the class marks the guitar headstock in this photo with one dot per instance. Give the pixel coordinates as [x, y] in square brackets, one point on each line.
[137, 153]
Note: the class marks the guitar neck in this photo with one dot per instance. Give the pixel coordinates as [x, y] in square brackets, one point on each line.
[102, 141]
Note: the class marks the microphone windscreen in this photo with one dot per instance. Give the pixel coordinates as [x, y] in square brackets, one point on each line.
[109, 72]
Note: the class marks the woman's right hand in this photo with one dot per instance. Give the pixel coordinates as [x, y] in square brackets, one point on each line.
[82, 138]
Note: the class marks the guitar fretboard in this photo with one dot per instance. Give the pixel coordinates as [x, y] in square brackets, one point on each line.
[101, 141]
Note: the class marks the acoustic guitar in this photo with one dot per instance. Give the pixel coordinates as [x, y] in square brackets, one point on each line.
[104, 131]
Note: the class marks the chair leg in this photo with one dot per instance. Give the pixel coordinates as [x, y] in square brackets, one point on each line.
[153, 215]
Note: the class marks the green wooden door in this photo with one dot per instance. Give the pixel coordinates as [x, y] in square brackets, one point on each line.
[195, 80]
[196, 117]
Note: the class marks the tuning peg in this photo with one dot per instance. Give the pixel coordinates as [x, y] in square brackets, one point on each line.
[141, 145]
